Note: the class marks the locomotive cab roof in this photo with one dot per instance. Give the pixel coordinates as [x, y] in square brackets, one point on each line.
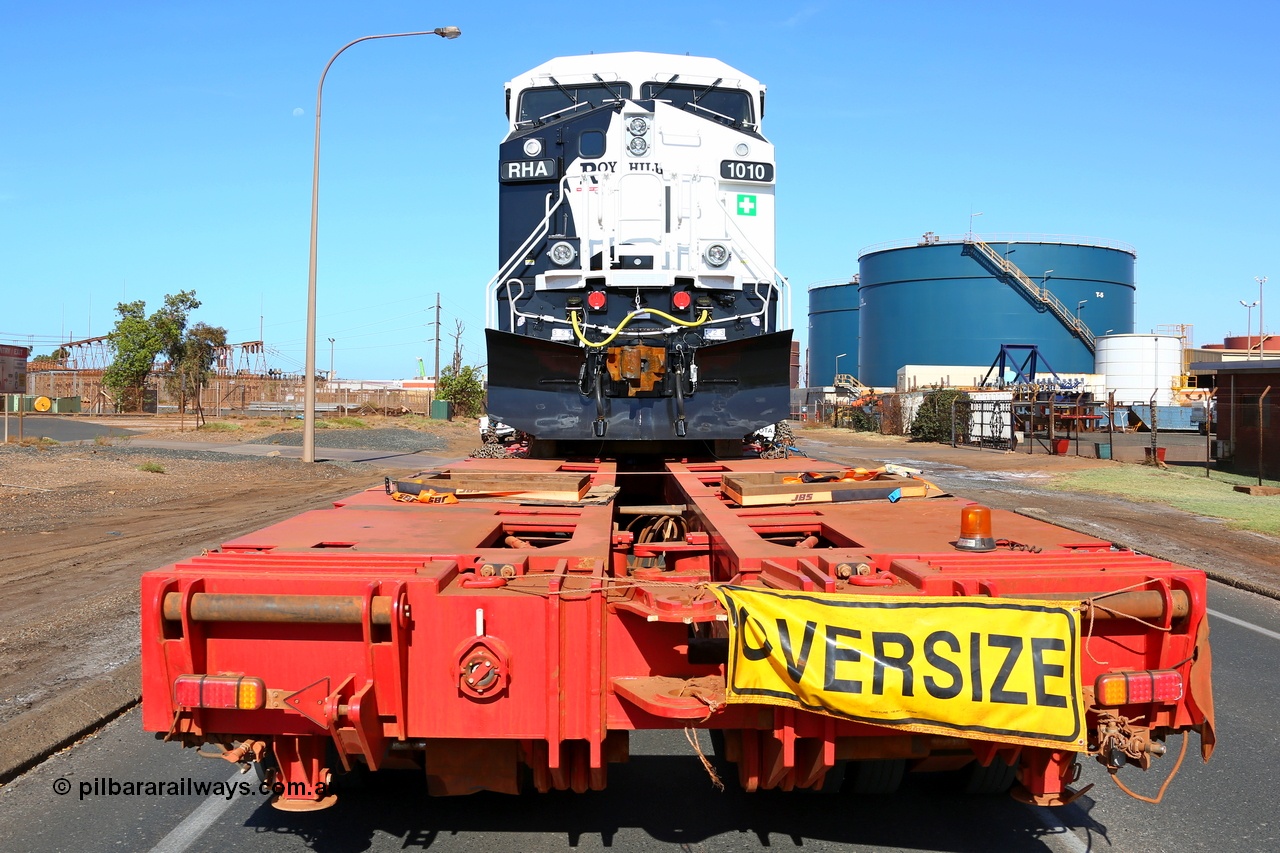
[609, 77]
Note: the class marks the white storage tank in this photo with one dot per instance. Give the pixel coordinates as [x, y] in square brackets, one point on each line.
[1138, 366]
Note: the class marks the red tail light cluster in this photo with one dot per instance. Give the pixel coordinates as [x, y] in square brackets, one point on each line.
[232, 692]
[1163, 686]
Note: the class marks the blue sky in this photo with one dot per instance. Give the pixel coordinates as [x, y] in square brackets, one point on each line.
[147, 148]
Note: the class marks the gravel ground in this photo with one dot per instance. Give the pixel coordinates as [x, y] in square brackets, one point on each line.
[55, 487]
[403, 440]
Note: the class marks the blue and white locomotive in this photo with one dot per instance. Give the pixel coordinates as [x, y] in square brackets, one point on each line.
[637, 298]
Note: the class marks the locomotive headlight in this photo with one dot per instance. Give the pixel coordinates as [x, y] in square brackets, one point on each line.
[638, 126]
[716, 254]
[638, 145]
[562, 253]
[742, 149]
[532, 147]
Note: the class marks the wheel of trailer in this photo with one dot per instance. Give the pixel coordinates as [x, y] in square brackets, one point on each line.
[833, 782]
[996, 778]
[874, 776]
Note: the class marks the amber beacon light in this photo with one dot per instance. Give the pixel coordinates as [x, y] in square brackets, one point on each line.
[975, 529]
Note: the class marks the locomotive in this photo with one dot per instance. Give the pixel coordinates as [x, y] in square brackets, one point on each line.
[636, 298]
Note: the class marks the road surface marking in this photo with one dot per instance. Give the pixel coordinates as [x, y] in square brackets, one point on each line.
[1243, 624]
[189, 831]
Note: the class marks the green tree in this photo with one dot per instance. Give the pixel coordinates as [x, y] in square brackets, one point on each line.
[933, 418]
[53, 359]
[136, 344]
[170, 323]
[462, 387]
[138, 340]
[191, 360]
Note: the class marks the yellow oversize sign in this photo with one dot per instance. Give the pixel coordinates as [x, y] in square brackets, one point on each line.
[1002, 669]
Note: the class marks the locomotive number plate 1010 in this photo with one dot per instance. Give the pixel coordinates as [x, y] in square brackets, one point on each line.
[745, 170]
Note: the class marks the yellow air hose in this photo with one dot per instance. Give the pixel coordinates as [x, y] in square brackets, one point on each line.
[577, 330]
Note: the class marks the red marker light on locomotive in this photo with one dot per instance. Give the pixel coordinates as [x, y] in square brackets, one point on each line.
[231, 692]
[1163, 686]
[596, 300]
[681, 300]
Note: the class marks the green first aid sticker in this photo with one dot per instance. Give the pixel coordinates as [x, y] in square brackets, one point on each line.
[746, 205]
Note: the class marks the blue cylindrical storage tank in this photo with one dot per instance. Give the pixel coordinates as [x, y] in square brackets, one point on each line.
[937, 302]
[833, 330]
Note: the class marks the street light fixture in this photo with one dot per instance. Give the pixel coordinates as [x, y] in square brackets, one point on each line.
[1079, 305]
[330, 359]
[309, 396]
[840, 356]
[972, 215]
[1248, 327]
[1045, 277]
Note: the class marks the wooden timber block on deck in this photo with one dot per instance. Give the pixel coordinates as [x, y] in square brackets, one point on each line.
[552, 486]
[767, 489]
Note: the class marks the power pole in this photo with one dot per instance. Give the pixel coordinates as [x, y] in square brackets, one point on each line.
[437, 376]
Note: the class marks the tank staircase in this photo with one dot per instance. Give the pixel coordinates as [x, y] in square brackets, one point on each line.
[1002, 268]
[847, 383]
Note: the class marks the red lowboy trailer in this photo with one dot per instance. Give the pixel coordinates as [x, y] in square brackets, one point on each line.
[497, 645]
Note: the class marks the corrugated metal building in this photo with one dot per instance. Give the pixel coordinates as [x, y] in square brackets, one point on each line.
[1248, 422]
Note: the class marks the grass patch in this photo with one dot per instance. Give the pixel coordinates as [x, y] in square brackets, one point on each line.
[416, 422]
[341, 423]
[151, 467]
[1209, 496]
[219, 426]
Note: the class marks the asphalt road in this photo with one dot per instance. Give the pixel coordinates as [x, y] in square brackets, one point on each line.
[662, 799]
[62, 429]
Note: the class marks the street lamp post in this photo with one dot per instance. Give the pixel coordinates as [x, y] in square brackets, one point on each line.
[1248, 327]
[837, 373]
[330, 359]
[1262, 336]
[972, 215]
[309, 396]
[1079, 305]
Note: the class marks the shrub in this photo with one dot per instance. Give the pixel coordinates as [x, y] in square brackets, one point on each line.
[219, 426]
[151, 467]
[933, 418]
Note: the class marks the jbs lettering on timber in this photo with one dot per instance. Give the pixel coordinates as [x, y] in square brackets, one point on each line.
[976, 667]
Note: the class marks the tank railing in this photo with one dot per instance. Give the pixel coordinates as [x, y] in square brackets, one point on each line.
[1001, 265]
[542, 229]
[953, 239]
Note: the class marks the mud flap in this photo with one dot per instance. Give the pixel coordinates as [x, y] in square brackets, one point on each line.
[742, 386]
[1202, 688]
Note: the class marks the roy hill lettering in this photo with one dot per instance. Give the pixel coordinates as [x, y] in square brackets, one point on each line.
[589, 166]
[975, 665]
